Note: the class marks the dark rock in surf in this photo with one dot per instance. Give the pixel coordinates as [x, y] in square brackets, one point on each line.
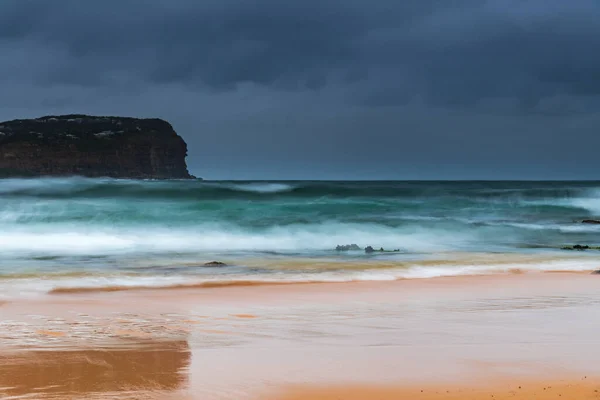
[370, 249]
[580, 247]
[215, 264]
[92, 146]
[591, 221]
[347, 247]
[597, 272]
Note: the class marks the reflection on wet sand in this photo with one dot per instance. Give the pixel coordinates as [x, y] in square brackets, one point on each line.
[149, 367]
[326, 341]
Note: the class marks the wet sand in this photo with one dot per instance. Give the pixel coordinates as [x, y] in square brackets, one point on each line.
[151, 367]
[482, 336]
[551, 390]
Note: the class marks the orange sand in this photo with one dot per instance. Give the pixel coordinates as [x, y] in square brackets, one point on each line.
[204, 285]
[246, 316]
[154, 366]
[51, 333]
[574, 390]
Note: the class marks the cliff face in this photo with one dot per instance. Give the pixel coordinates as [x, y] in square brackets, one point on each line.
[92, 146]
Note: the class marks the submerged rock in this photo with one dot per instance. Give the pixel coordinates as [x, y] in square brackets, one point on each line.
[591, 221]
[347, 247]
[215, 264]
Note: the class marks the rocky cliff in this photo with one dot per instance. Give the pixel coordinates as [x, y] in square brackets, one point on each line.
[92, 146]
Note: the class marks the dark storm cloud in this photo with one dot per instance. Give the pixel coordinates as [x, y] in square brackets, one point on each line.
[218, 44]
[448, 53]
[310, 81]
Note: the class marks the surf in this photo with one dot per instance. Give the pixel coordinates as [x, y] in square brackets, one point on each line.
[91, 228]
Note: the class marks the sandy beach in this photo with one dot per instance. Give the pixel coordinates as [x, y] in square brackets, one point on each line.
[507, 390]
[443, 338]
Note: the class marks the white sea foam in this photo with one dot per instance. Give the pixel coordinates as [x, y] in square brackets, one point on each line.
[558, 227]
[262, 187]
[588, 200]
[592, 204]
[47, 185]
[76, 239]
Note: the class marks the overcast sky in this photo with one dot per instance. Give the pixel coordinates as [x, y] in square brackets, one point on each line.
[325, 89]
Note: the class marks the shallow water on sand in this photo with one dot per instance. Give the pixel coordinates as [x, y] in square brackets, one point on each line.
[239, 342]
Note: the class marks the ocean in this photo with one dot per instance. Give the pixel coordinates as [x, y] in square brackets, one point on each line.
[78, 234]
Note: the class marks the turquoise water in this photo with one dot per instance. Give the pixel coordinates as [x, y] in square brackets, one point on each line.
[95, 232]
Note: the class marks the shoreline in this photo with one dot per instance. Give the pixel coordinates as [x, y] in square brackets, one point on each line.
[284, 272]
[65, 291]
[257, 293]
